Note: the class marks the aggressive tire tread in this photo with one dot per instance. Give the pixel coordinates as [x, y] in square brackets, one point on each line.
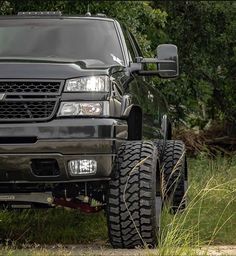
[173, 163]
[139, 196]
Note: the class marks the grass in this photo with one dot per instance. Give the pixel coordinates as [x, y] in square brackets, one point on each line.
[34, 252]
[209, 219]
[52, 226]
[212, 205]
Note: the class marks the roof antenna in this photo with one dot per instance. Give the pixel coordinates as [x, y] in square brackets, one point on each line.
[88, 13]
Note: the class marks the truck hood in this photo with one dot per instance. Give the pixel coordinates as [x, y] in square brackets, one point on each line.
[53, 69]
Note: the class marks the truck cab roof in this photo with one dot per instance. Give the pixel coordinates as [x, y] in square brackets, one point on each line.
[45, 16]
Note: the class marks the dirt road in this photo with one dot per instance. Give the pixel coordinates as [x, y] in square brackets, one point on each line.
[104, 251]
[96, 250]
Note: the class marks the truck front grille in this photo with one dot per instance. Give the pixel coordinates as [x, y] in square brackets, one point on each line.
[26, 110]
[27, 101]
[29, 87]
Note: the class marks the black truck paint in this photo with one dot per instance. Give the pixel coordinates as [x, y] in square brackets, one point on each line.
[39, 54]
[24, 140]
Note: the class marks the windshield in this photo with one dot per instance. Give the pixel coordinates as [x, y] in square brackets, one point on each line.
[61, 38]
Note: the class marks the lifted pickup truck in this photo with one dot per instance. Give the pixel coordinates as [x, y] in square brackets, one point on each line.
[74, 92]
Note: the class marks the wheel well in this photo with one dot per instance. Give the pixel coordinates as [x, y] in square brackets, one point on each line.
[169, 130]
[158, 179]
[186, 169]
[135, 123]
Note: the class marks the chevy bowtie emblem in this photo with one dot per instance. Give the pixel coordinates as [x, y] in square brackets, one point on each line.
[2, 95]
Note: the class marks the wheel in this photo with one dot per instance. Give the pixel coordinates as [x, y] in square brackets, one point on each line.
[133, 205]
[173, 166]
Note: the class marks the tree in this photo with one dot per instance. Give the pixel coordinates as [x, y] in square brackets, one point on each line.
[205, 32]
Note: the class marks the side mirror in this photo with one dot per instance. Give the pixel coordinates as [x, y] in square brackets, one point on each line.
[168, 63]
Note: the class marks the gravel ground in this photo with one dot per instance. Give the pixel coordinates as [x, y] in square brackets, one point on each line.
[222, 250]
[97, 250]
[213, 251]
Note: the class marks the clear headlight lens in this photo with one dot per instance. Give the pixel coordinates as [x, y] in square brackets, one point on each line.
[88, 84]
[81, 109]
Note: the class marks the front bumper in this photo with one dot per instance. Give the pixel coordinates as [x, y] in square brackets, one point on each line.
[61, 140]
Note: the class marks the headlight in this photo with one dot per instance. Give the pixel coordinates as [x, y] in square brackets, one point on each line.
[83, 109]
[88, 84]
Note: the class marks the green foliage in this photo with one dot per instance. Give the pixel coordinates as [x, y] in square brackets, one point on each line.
[5, 8]
[51, 226]
[205, 32]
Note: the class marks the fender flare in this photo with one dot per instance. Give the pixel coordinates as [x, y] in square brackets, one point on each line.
[134, 116]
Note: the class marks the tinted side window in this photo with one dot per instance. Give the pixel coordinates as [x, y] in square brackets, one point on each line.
[136, 46]
[131, 50]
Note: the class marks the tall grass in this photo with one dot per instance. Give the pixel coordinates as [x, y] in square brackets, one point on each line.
[210, 217]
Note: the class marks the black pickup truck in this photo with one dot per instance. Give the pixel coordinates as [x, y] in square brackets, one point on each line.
[82, 125]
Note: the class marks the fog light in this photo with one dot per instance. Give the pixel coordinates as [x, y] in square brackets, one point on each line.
[82, 167]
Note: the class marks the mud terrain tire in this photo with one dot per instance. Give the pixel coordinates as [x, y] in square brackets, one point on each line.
[173, 167]
[133, 209]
